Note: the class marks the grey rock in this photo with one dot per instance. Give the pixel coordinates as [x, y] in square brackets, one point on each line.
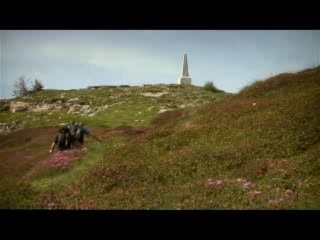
[17, 106]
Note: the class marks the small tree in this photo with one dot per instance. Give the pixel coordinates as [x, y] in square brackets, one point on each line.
[210, 87]
[37, 86]
[20, 88]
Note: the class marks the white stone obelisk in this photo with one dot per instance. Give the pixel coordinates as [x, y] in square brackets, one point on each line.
[185, 79]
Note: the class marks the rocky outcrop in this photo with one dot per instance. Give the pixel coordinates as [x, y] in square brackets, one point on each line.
[150, 94]
[46, 107]
[86, 110]
[74, 108]
[16, 106]
[43, 108]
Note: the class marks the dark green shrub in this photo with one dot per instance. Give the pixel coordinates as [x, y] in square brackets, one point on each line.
[209, 86]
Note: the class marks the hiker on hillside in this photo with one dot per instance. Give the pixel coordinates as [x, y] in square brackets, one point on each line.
[72, 128]
[62, 140]
[78, 135]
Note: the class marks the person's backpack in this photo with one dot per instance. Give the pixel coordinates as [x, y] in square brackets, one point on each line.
[73, 129]
[62, 140]
[78, 133]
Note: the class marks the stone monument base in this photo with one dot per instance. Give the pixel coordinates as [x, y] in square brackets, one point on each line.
[185, 81]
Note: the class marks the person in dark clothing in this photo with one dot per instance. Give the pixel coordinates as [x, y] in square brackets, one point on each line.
[72, 129]
[81, 131]
[62, 140]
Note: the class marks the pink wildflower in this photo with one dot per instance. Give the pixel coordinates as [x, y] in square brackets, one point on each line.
[273, 202]
[51, 205]
[209, 182]
[289, 193]
[270, 164]
[246, 185]
[283, 171]
[218, 182]
[300, 183]
[239, 180]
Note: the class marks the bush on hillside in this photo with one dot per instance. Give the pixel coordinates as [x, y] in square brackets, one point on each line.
[15, 194]
[37, 86]
[21, 88]
[210, 87]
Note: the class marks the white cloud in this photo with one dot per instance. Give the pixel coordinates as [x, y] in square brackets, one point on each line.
[112, 58]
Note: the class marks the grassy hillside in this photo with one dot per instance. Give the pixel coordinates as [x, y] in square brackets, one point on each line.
[130, 112]
[255, 150]
[123, 105]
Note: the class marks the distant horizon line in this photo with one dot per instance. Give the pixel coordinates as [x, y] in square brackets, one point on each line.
[141, 85]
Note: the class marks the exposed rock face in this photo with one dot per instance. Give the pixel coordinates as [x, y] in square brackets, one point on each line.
[74, 108]
[46, 107]
[73, 100]
[150, 94]
[17, 106]
[186, 105]
[43, 108]
[86, 110]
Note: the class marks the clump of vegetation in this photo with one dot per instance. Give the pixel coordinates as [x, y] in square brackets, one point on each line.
[243, 152]
[209, 86]
[21, 88]
[254, 150]
[4, 105]
[15, 194]
[37, 86]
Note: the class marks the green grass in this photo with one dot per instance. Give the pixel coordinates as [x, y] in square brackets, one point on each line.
[268, 134]
[52, 181]
[126, 113]
[234, 138]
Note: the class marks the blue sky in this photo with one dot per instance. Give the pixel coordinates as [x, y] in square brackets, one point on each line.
[77, 59]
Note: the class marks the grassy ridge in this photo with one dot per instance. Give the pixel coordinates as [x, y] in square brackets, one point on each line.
[126, 105]
[22, 150]
[255, 150]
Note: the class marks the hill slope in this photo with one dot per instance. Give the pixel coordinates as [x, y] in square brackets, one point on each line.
[117, 114]
[255, 150]
[106, 106]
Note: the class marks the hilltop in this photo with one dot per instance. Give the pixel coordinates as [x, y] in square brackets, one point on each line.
[106, 106]
[254, 150]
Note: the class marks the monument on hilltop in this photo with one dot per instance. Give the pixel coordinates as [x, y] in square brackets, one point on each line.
[185, 79]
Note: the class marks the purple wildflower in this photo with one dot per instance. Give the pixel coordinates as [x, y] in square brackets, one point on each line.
[218, 182]
[289, 193]
[239, 180]
[246, 185]
[270, 164]
[300, 183]
[273, 202]
[51, 205]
